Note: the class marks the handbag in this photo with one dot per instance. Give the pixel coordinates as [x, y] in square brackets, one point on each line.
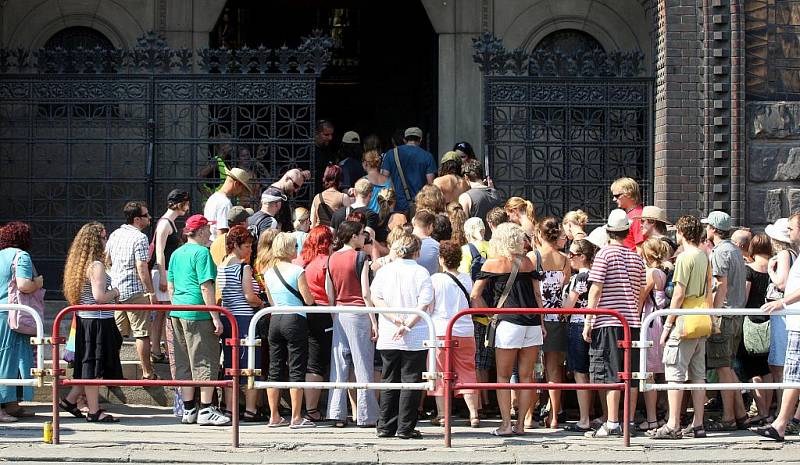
[20, 321]
[774, 292]
[69, 348]
[697, 326]
[412, 205]
[491, 330]
[755, 336]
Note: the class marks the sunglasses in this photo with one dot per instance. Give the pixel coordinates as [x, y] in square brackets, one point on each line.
[616, 196]
[572, 254]
[146, 215]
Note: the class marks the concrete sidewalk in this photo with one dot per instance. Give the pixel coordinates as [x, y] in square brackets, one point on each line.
[152, 435]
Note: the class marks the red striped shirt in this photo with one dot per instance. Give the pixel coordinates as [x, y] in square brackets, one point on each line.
[622, 274]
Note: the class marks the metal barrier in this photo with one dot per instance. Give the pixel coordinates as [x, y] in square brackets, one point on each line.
[38, 372]
[233, 383]
[251, 341]
[643, 344]
[625, 376]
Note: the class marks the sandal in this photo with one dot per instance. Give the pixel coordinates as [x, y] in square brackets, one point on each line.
[714, 425]
[437, 421]
[313, 415]
[304, 423]
[647, 425]
[475, 422]
[696, 432]
[152, 377]
[68, 406]
[768, 432]
[665, 432]
[249, 417]
[741, 422]
[340, 423]
[95, 417]
[575, 428]
[160, 358]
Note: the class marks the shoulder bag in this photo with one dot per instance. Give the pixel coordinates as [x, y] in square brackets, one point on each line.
[20, 321]
[696, 326]
[491, 331]
[411, 202]
[289, 288]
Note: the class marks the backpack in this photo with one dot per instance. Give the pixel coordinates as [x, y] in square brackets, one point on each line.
[669, 286]
[257, 223]
[478, 259]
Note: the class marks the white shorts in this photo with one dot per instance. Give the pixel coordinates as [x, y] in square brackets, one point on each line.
[156, 276]
[513, 336]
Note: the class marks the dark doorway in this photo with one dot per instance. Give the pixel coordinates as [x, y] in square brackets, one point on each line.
[383, 73]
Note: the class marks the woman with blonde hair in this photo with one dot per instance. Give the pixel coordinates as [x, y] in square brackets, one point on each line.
[655, 254]
[523, 213]
[98, 340]
[574, 223]
[457, 218]
[405, 284]
[372, 165]
[286, 286]
[512, 278]
[301, 220]
[431, 198]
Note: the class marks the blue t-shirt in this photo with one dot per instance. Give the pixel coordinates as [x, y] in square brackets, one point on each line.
[281, 296]
[417, 163]
[24, 269]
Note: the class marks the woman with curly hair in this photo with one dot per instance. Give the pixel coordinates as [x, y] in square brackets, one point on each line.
[235, 279]
[457, 219]
[431, 198]
[97, 339]
[16, 353]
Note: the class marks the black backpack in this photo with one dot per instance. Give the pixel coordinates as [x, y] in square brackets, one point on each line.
[256, 224]
[478, 259]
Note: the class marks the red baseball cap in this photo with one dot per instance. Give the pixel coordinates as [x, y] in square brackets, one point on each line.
[195, 222]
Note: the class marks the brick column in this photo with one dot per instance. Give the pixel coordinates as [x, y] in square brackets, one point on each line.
[678, 149]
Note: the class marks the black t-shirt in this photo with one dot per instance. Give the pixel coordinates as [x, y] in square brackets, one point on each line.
[522, 295]
[352, 171]
[341, 214]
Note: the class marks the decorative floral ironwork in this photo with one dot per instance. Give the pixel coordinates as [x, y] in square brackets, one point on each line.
[152, 55]
[494, 59]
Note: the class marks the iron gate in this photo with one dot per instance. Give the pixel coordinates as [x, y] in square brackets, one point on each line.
[559, 127]
[85, 131]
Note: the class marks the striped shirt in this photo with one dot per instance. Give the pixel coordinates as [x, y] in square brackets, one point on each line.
[622, 274]
[126, 246]
[229, 280]
[87, 298]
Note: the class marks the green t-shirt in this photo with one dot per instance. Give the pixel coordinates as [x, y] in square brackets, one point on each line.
[190, 266]
[691, 270]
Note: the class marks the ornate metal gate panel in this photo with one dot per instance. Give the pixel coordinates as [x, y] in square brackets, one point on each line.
[560, 128]
[85, 131]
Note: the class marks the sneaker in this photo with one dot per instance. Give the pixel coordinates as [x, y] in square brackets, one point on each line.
[604, 432]
[212, 416]
[189, 416]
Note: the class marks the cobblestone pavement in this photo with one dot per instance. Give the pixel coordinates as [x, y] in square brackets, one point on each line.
[151, 435]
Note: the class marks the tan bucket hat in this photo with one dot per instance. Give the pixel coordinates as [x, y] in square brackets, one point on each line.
[243, 177]
[651, 212]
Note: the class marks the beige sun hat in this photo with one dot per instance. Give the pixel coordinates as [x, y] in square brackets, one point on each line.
[618, 221]
[598, 237]
[651, 212]
[779, 230]
[242, 176]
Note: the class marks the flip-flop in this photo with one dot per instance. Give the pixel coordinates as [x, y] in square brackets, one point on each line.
[280, 423]
[496, 432]
[768, 432]
[303, 424]
[517, 433]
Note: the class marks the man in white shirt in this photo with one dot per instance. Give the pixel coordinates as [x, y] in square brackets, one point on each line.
[217, 206]
[791, 369]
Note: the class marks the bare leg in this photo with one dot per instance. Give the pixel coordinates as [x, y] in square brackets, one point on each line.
[296, 395]
[526, 397]
[312, 397]
[505, 359]
[157, 329]
[274, 399]
[788, 407]
[584, 401]
[143, 350]
[554, 366]
[732, 402]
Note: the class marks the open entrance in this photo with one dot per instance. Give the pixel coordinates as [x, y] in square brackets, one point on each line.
[383, 72]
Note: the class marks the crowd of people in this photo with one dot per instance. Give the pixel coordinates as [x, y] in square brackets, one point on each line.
[393, 230]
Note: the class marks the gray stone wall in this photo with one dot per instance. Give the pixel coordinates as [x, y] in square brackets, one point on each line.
[773, 160]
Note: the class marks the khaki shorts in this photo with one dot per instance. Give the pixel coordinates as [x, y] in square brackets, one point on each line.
[721, 349]
[196, 350]
[684, 360]
[134, 323]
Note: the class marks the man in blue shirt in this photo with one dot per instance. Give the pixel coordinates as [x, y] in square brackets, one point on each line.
[418, 168]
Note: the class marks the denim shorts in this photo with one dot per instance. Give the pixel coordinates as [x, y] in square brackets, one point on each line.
[577, 349]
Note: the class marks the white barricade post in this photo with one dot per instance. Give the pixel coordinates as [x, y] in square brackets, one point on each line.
[643, 344]
[429, 376]
[38, 371]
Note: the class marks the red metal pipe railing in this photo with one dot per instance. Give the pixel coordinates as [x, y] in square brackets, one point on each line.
[234, 371]
[625, 376]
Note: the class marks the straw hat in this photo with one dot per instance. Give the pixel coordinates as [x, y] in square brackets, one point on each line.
[241, 176]
[779, 230]
[654, 213]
